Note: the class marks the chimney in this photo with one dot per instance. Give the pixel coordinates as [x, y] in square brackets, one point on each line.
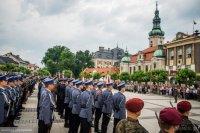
[101, 48]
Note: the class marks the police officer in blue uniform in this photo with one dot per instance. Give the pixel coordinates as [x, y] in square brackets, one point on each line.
[66, 102]
[72, 88]
[4, 101]
[76, 106]
[98, 106]
[12, 95]
[47, 105]
[60, 97]
[86, 108]
[119, 101]
[107, 100]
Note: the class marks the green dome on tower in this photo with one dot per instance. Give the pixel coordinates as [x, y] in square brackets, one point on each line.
[156, 31]
[159, 53]
[126, 57]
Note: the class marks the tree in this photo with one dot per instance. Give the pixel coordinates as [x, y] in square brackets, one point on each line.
[52, 59]
[87, 75]
[114, 76]
[158, 76]
[96, 75]
[8, 67]
[43, 72]
[68, 73]
[124, 76]
[140, 76]
[83, 60]
[197, 77]
[186, 76]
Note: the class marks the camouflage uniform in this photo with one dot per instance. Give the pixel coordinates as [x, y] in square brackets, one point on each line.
[186, 126]
[130, 125]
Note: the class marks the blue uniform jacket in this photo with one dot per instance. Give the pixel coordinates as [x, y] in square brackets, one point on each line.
[76, 101]
[66, 101]
[119, 101]
[4, 105]
[47, 105]
[98, 99]
[70, 96]
[86, 105]
[107, 101]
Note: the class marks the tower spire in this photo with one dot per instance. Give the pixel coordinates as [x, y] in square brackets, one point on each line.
[156, 5]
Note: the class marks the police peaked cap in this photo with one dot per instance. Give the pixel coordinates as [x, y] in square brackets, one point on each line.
[90, 82]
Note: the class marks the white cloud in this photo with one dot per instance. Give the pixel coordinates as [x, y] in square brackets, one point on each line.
[34, 25]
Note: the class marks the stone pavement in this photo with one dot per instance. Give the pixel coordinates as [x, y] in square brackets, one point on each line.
[28, 121]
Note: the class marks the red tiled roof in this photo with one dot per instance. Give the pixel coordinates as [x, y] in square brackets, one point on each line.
[103, 71]
[148, 54]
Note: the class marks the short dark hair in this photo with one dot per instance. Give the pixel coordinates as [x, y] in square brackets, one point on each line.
[163, 125]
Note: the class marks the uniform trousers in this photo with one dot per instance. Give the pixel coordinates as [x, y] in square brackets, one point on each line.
[66, 114]
[76, 123]
[115, 123]
[105, 121]
[98, 114]
[70, 120]
[85, 125]
[43, 128]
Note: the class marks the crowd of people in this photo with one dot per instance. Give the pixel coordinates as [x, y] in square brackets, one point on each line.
[14, 91]
[189, 93]
[83, 104]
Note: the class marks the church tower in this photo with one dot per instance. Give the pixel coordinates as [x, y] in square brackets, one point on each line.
[156, 35]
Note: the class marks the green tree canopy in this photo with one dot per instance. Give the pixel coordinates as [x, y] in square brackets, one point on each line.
[114, 76]
[8, 67]
[96, 75]
[83, 60]
[68, 73]
[158, 76]
[186, 76]
[124, 76]
[140, 76]
[43, 72]
[60, 58]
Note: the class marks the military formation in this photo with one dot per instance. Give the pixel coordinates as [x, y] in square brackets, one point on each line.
[83, 104]
[14, 91]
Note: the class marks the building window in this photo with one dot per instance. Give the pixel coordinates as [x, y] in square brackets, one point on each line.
[99, 55]
[188, 52]
[139, 68]
[188, 66]
[154, 65]
[110, 63]
[130, 70]
[172, 55]
[146, 68]
[133, 69]
[107, 56]
[121, 68]
[179, 52]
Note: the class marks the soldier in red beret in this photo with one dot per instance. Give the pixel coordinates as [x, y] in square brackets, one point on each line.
[131, 124]
[186, 126]
[169, 120]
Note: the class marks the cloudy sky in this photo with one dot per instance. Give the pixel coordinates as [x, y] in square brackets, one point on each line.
[30, 27]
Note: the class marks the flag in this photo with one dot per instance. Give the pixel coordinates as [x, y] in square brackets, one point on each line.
[194, 22]
[108, 78]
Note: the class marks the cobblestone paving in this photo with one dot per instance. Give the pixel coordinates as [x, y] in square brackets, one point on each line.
[28, 122]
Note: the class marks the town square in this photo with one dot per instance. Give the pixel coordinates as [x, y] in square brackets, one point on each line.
[98, 66]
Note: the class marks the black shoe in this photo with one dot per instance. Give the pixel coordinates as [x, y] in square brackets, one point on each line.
[66, 125]
[97, 131]
[17, 118]
[62, 117]
[92, 125]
